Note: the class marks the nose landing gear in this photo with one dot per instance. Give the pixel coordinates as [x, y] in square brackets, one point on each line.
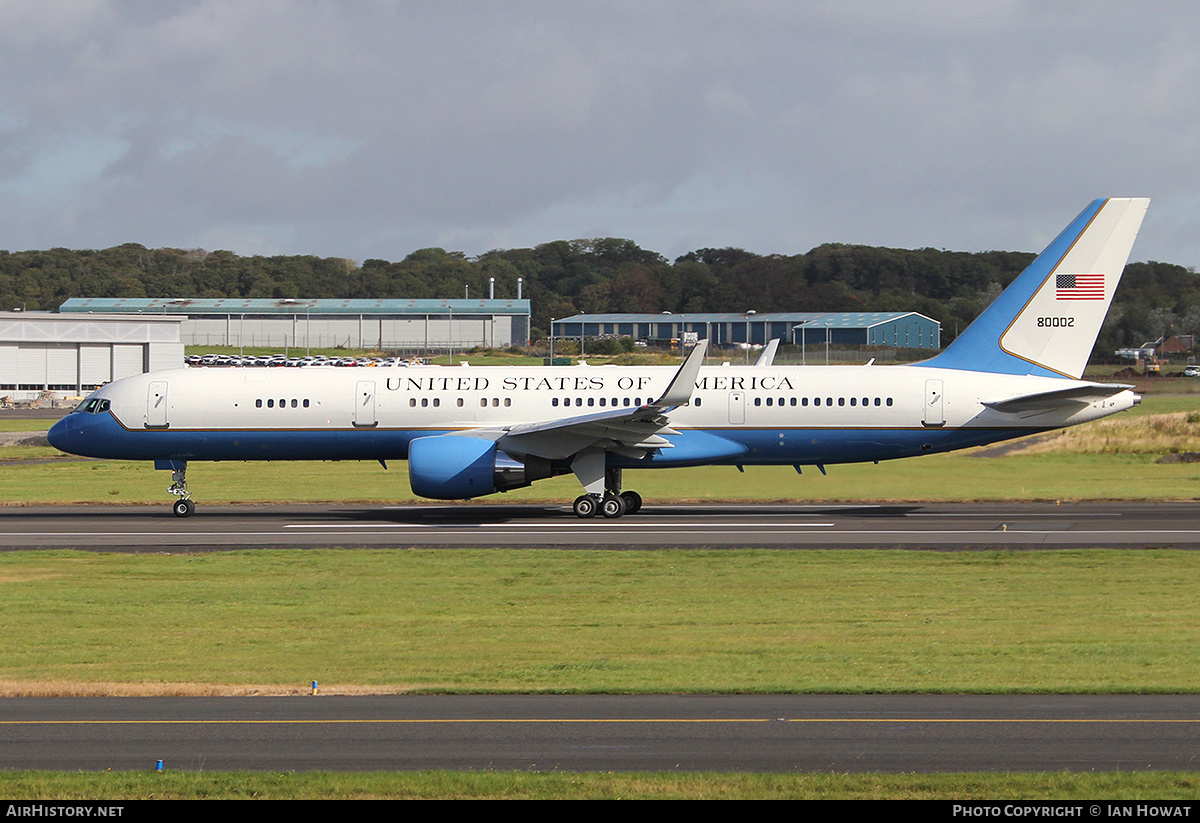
[184, 506]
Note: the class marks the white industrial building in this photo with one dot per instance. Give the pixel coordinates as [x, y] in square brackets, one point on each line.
[46, 355]
[409, 326]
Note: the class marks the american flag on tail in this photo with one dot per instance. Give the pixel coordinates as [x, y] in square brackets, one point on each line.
[1079, 287]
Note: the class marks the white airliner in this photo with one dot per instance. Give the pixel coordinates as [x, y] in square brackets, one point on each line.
[468, 432]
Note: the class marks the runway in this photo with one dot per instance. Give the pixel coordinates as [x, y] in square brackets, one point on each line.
[799, 733]
[943, 526]
[780, 733]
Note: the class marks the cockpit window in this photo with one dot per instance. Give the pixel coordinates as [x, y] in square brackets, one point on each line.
[92, 405]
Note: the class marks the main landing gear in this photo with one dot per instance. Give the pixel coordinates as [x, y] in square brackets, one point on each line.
[608, 505]
[184, 506]
[603, 488]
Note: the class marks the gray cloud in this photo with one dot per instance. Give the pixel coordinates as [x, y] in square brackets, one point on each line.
[373, 129]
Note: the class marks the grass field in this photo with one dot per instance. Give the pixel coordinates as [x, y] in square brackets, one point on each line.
[443, 785]
[529, 621]
[39, 478]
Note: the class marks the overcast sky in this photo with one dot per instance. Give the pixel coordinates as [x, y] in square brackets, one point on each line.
[371, 129]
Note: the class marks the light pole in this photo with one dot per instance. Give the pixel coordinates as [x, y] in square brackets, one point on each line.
[749, 314]
[803, 356]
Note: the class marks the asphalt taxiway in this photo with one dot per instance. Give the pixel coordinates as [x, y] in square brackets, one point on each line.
[780, 733]
[944, 526]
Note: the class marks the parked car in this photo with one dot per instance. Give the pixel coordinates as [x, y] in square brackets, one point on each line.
[1192, 371]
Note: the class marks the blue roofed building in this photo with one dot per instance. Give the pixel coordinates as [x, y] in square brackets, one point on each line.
[893, 329]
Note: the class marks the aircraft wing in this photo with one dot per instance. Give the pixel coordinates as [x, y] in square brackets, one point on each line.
[1057, 398]
[629, 432]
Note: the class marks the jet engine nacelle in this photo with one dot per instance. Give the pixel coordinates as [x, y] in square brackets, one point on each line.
[454, 467]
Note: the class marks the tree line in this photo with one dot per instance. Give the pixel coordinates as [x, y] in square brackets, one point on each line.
[608, 274]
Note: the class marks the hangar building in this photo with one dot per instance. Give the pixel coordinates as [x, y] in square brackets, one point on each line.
[43, 354]
[896, 329]
[397, 325]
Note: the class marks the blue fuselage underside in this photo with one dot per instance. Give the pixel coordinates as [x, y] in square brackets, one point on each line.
[100, 435]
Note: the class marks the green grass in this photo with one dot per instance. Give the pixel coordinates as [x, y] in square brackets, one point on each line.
[518, 621]
[429, 785]
[949, 477]
[22, 424]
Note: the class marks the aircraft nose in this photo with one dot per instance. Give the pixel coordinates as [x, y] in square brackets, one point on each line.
[67, 434]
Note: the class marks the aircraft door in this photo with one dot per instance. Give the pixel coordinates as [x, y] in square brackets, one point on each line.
[364, 404]
[934, 412]
[737, 407]
[156, 405]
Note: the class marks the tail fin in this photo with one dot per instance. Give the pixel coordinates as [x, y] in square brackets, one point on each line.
[1046, 322]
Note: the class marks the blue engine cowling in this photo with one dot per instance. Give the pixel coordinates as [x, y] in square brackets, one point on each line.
[456, 467]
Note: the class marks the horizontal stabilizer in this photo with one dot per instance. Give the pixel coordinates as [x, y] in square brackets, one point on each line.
[1045, 401]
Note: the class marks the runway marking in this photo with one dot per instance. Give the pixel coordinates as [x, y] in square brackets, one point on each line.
[1076, 515]
[533, 529]
[600, 524]
[638, 720]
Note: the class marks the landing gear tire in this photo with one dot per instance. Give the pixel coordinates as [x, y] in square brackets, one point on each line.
[633, 502]
[183, 507]
[586, 506]
[612, 506]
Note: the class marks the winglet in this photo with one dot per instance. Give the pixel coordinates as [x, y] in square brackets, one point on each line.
[684, 381]
[767, 358]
